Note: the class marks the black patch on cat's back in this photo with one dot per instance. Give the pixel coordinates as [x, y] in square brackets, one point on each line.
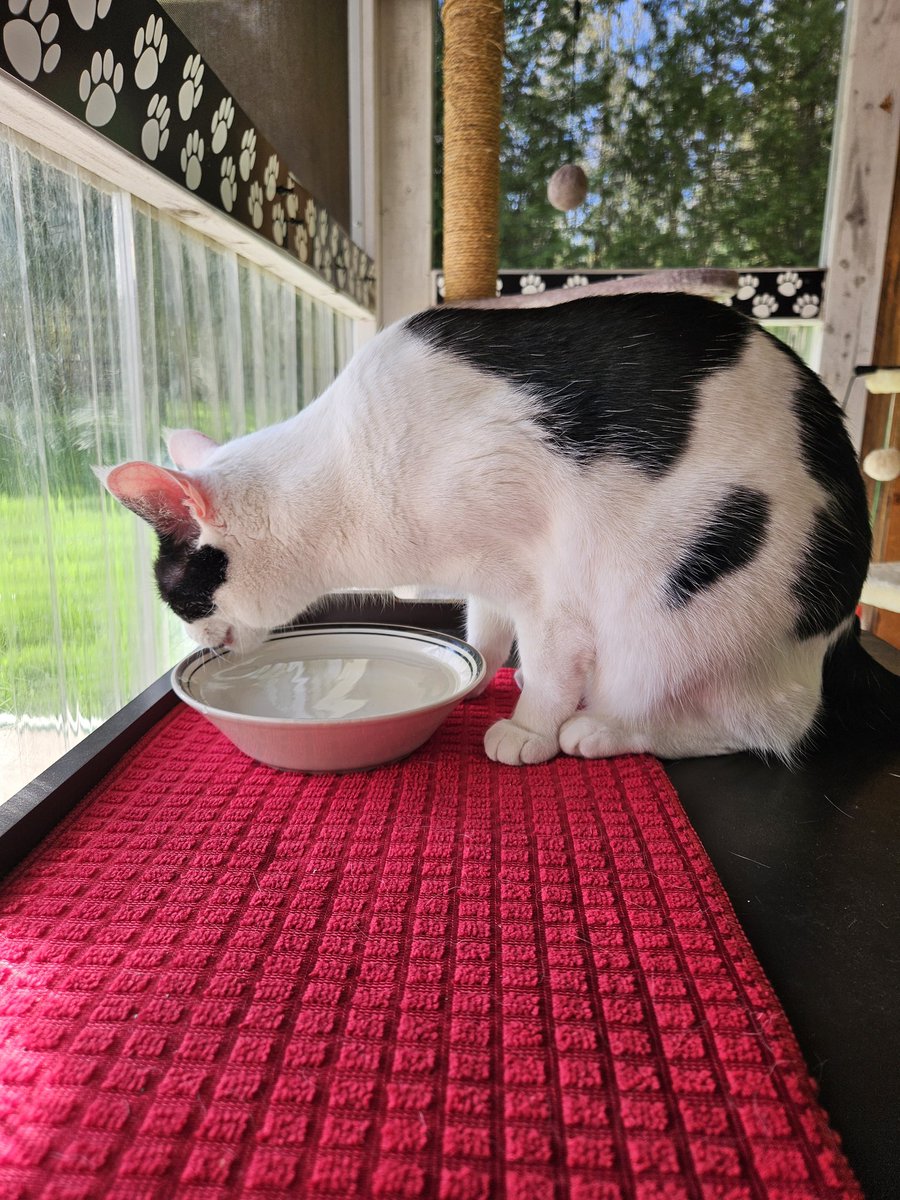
[833, 570]
[188, 578]
[834, 567]
[611, 375]
[732, 538]
[831, 575]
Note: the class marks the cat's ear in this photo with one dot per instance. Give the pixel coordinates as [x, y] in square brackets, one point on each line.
[189, 449]
[171, 502]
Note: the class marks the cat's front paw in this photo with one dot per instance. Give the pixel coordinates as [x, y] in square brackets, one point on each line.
[509, 743]
[584, 737]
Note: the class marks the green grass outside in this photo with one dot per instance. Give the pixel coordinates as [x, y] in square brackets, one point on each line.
[86, 652]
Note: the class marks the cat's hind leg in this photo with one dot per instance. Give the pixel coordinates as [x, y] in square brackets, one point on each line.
[491, 632]
[555, 668]
[769, 711]
[586, 735]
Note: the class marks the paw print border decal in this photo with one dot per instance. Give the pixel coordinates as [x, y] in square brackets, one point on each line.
[779, 295]
[123, 68]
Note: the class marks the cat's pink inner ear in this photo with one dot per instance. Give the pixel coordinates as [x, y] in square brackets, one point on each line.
[167, 499]
[189, 449]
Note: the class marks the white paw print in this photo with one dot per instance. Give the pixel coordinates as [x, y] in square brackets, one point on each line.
[310, 215]
[255, 204]
[301, 241]
[248, 153]
[293, 206]
[279, 224]
[318, 253]
[325, 262]
[228, 186]
[155, 133]
[322, 231]
[340, 263]
[99, 87]
[747, 285]
[788, 283]
[531, 284]
[807, 305]
[192, 89]
[25, 39]
[191, 158]
[270, 176]
[222, 121]
[150, 46]
[499, 288]
[440, 286]
[764, 305]
[354, 280]
[575, 281]
[86, 12]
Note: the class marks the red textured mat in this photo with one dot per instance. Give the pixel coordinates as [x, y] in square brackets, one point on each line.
[442, 979]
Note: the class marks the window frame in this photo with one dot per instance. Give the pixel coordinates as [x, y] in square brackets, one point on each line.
[36, 109]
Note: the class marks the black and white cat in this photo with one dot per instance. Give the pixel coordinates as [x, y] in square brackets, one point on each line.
[655, 497]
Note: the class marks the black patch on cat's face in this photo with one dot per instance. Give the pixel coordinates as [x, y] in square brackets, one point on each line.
[188, 578]
[612, 375]
[733, 538]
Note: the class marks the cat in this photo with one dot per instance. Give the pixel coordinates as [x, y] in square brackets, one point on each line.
[652, 495]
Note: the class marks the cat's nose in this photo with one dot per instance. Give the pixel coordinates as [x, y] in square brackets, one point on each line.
[228, 639]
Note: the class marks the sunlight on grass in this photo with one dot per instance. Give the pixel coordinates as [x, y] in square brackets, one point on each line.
[55, 599]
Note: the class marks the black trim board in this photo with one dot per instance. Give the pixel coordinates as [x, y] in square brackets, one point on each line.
[30, 814]
[127, 71]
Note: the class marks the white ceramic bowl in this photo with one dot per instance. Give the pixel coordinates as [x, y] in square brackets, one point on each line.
[331, 697]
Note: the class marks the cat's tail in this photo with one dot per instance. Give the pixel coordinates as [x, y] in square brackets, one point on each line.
[860, 697]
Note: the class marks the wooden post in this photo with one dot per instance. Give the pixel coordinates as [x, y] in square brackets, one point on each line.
[858, 207]
[473, 76]
[886, 530]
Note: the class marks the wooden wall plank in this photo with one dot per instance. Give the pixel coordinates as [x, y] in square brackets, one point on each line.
[860, 195]
[406, 137]
[886, 353]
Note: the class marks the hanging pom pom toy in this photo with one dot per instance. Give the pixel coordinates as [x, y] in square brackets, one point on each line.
[883, 465]
[567, 188]
[568, 185]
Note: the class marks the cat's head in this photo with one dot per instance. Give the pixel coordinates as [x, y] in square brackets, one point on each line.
[212, 574]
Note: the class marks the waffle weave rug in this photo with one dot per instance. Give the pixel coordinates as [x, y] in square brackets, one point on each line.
[441, 979]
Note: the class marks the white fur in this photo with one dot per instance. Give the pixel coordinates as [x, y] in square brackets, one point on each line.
[414, 467]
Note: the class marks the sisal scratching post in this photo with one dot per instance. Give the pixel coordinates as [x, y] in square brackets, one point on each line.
[473, 73]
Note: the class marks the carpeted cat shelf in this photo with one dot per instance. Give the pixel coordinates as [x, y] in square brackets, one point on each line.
[445, 979]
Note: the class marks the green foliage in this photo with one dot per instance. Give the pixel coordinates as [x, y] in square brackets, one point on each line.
[549, 116]
[704, 127]
[70, 628]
